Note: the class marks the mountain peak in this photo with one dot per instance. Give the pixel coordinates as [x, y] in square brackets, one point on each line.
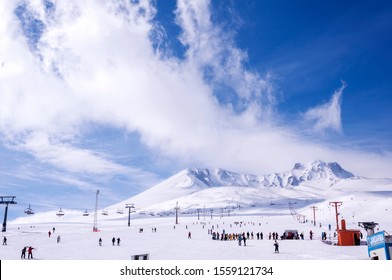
[329, 168]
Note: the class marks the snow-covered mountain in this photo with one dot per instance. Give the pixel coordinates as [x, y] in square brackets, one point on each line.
[218, 191]
[197, 188]
[317, 171]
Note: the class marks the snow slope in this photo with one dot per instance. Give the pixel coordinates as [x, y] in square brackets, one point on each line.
[270, 203]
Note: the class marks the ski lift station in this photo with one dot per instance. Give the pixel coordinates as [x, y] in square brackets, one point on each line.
[380, 246]
[348, 237]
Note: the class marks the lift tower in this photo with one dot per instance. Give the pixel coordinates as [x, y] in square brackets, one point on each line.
[336, 204]
[6, 200]
[314, 208]
[95, 226]
[131, 208]
[177, 208]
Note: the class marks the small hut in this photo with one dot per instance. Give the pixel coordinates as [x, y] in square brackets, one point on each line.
[348, 237]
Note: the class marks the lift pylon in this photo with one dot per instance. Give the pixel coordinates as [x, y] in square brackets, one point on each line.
[6, 200]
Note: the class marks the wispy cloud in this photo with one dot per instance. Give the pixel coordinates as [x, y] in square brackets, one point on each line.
[213, 50]
[327, 117]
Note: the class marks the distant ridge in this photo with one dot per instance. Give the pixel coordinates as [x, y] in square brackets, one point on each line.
[330, 173]
[196, 187]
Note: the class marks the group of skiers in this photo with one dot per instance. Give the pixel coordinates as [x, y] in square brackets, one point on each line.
[234, 236]
[113, 241]
[29, 250]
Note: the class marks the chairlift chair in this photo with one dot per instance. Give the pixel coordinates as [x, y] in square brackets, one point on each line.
[60, 213]
[120, 211]
[29, 211]
[86, 213]
[105, 212]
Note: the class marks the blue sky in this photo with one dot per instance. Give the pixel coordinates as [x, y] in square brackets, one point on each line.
[119, 95]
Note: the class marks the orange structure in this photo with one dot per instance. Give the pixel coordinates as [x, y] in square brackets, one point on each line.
[348, 237]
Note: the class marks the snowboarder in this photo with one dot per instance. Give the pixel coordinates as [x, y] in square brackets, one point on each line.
[30, 252]
[5, 240]
[23, 256]
[276, 245]
[113, 240]
[100, 241]
[118, 241]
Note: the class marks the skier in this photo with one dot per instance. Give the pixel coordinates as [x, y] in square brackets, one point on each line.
[30, 252]
[113, 240]
[100, 241]
[118, 241]
[5, 240]
[23, 256]
[276, 245]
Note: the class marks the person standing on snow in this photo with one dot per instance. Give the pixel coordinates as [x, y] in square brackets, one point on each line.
[113, 240]
[5, 240]
[118, 241]
[244, 238]
[30, 252]
[100, 241]
[23, 256]
[276, 245]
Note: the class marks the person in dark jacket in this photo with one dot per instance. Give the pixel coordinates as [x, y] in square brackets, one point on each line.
[276, 245]
[23, 256]
[113, 240]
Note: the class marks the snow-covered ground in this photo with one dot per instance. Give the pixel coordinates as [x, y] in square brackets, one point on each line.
[171, 242]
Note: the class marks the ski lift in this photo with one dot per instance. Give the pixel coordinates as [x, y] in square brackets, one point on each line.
[29, 211]
[60, 213]
[105, 212]
[86, 213]
[120, 211]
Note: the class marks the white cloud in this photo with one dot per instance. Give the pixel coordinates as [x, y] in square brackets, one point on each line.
[327, 117]
[213, 50]
[96, 64]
